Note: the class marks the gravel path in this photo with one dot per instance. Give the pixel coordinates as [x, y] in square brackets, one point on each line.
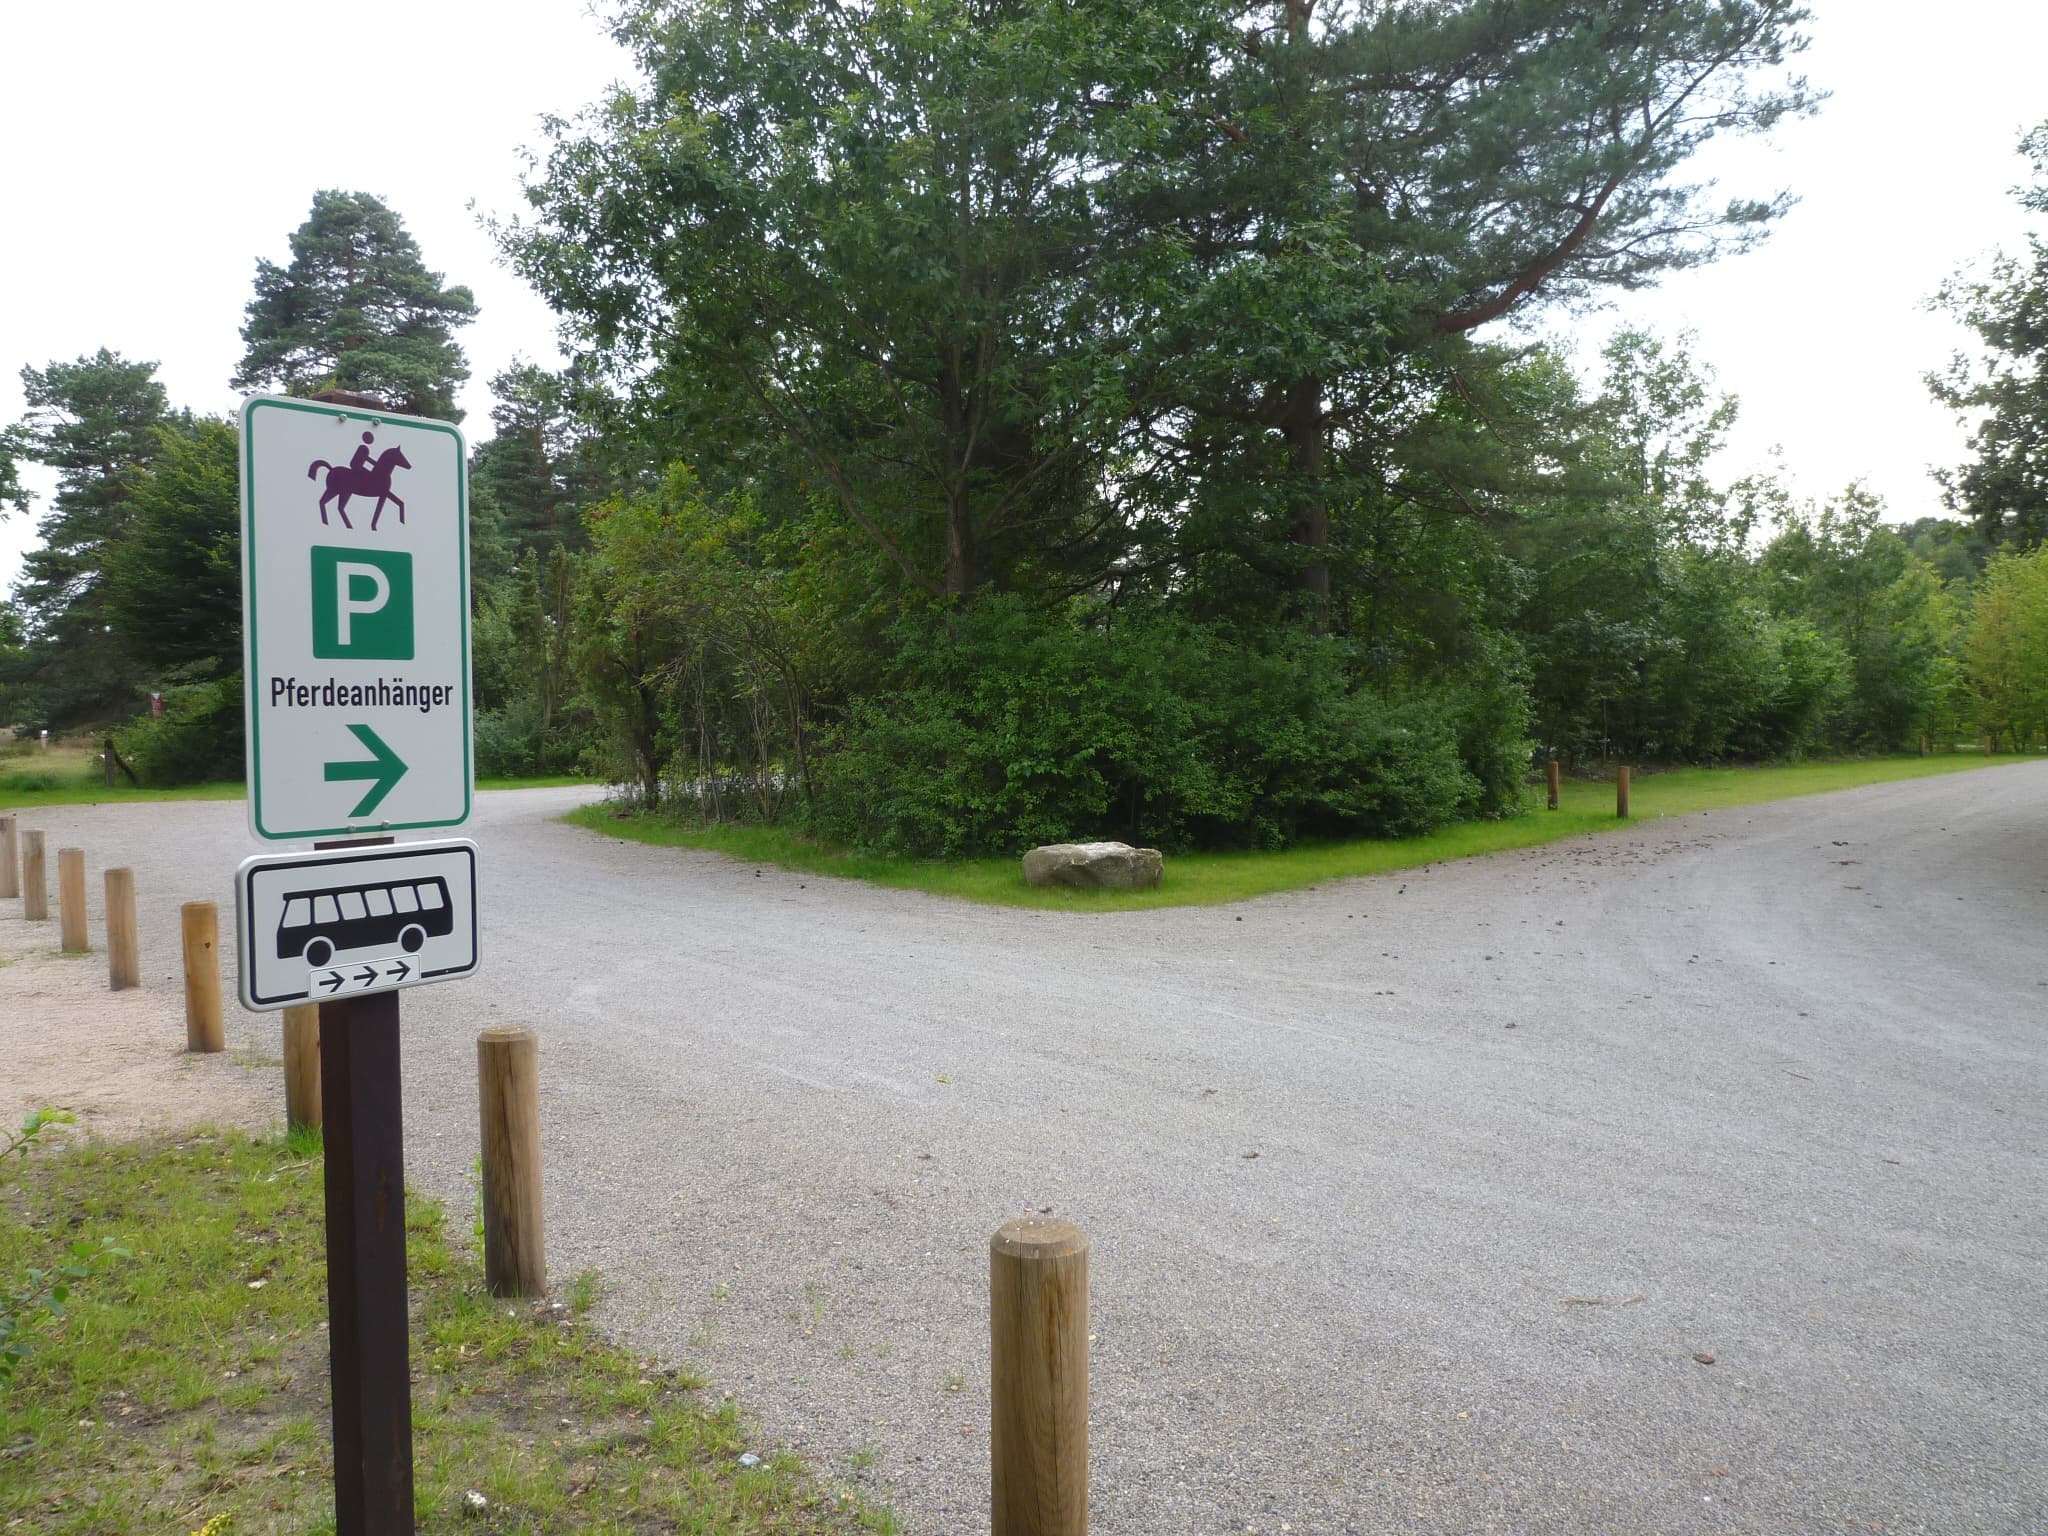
[1415, 1201]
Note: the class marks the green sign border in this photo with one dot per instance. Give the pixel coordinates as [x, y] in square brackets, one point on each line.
[250, 669]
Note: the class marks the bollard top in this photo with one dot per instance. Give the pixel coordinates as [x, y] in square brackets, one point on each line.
[1038, 1237]
[497, 1034]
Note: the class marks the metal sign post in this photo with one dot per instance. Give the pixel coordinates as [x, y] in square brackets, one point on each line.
[355, 624]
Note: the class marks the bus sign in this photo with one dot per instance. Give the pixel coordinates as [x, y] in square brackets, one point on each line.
[343, 922]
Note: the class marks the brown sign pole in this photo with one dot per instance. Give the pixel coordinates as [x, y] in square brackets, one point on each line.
[367, 1341]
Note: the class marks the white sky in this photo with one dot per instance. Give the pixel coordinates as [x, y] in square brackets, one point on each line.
[155, 151]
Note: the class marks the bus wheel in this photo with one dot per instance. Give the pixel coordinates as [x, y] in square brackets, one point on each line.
[412, 938]
[318, 953]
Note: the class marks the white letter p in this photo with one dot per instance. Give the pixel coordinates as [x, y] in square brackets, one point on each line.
[346, 604]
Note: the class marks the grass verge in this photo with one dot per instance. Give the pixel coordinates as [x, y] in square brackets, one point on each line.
[1205, 879]
[27, 788]
[187, 1382]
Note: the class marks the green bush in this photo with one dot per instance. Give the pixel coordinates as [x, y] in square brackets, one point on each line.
[199, 740]
[28, 780]
[508, 740]
[1020, 727]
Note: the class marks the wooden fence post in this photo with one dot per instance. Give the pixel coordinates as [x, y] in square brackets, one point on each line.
[1621, 791]
[508, 1105]
[124, 950]
[71, 927]
[302, 1066]
[10, 858]
[204, 1029]
[1553, 776]
[1038, 1383]
[35, 879]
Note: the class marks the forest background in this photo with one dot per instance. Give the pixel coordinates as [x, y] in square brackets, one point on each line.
[1001, 423]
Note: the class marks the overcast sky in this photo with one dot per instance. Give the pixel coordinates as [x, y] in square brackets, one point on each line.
[155, 151]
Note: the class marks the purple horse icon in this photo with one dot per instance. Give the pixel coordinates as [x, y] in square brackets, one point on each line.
[362, 478]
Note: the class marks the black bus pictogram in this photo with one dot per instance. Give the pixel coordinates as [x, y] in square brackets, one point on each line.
[318, 923]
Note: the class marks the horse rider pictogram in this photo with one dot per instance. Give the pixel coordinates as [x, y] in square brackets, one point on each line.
[361, 476]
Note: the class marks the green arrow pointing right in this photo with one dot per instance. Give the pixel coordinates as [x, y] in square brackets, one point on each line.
[384, 770]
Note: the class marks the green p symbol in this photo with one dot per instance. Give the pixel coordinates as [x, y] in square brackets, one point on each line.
[362, 604]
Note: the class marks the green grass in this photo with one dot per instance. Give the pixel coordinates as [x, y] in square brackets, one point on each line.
[187, 1382]
[25, 788]
[1206, 879]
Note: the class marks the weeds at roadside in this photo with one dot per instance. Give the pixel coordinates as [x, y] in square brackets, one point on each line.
[189, 1384]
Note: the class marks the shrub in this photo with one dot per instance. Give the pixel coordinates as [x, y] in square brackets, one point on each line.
[199, 740]
[1020, 727]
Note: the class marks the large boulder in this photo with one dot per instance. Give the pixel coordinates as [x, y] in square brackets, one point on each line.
[1094, 866]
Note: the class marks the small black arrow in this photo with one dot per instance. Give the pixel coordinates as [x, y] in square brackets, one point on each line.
[401, 973]
[366, 975]
[331, 981]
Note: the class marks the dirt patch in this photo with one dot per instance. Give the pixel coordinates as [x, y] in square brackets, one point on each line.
[117, 1060]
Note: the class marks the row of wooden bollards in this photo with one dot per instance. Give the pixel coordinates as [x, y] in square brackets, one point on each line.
[1620, 788]
[24, 872]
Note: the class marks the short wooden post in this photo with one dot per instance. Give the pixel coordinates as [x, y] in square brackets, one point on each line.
[124, 950]
[107, 762]
[1621, 791]
[204, 1028]
[508, 1106]
[302, 1066]
[71, 928]
[10, 858]
[35, 879]
[1553, 783]
[1038, 1386]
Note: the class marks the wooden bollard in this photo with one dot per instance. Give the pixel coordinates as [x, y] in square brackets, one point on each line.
[508, 1106]
[35, 879]
[124, 951]
[204, 1029]
[71, 927]
[302, 1066]
[1553, 783]
[1038, 1378]
[1621, 791]
[10, 858]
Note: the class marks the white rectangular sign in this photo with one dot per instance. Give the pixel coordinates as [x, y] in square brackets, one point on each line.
[331, 924]
[355, 620]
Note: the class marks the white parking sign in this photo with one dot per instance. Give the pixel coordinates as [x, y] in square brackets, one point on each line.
[355, 607]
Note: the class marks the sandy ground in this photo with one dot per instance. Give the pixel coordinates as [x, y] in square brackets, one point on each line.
[117, 1060]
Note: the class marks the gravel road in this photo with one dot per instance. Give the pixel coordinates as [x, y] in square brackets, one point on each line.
[1416, 1202]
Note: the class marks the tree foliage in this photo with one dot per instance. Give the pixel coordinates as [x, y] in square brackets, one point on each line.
[356, 309]
[2004, 488]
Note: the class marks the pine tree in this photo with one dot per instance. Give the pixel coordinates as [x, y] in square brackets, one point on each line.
[96, 422]
[357, 309]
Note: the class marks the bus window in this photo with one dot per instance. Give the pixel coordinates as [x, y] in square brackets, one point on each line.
[380, 901]
[298, 911]
[324, 910]
[351, 904]
[403, 899]
[430, 896]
